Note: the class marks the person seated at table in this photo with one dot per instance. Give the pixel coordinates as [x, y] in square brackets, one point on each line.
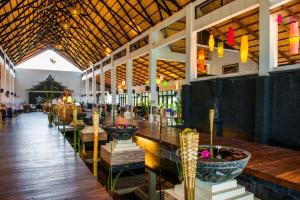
[3, 111]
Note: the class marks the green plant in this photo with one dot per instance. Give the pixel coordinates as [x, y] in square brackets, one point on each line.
[178, 110]
[112, 182]
[178, 164]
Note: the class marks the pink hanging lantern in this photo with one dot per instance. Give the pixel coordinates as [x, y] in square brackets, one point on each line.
[279, 19]
[230, 36]
[294, 38]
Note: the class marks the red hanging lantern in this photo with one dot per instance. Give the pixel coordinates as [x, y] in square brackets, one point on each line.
[201, 61]
[279, 19]
[230, 36]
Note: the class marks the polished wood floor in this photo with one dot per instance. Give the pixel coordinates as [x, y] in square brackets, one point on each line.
[37, 163]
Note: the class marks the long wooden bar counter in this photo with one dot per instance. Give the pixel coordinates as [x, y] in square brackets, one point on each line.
[273, 164]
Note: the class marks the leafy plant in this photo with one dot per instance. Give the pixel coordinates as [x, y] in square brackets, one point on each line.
[178, 164]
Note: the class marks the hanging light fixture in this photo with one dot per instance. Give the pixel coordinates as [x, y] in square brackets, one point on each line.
[75, 12]
[165, 83]
[158, 81]
[59, 46]
[211, 42]
[244, 49]
[220, 49]
[123, 83]
[294, 38]
[65, 25]
[201, 61]
[147, 82]
[161, 77]
[279, 19]
[230, 36]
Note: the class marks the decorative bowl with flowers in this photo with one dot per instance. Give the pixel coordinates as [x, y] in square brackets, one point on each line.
[219, 164]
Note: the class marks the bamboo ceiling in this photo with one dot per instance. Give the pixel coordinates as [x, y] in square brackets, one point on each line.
[28, 27]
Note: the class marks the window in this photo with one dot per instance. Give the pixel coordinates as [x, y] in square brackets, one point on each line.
[123, 99]
[167, 98]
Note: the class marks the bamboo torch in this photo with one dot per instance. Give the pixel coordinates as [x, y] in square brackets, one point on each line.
[96, 127]
[211, 125]
[189, 141]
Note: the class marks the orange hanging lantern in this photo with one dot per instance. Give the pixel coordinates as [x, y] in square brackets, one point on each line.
[294, 38]
[244, 49]
[230, 36]
[220, 49]
[211, 43]
[201, 61]
[75, 12]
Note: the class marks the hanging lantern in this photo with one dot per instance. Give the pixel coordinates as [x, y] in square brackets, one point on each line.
[165, 83]
[220, 49]
[75, 12]
[158, 81]
[201, 61]
[147, 82]
[244, 49]
[161, 77]
[279, 19]
[211, 43]
[294, 38]
[65, 26]
[59, 46]
[123, 83]
[230, 36]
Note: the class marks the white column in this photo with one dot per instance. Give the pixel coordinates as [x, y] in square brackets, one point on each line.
[6, 83]
[10, 85]
[268, 37]
[13, 89]
[102, 86]
[152, 77]
[114, 84]
[86, 88]
[191, 46]
[129, 81]
[2, 95]
[93, 87]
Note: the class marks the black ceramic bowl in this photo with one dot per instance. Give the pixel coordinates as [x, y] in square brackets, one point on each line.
[120, 132]
[227, 163]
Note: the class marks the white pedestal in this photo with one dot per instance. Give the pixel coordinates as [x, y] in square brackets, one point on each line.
[229, 190]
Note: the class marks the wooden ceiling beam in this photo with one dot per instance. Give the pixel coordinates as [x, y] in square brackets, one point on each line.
[141, 14]
[114, 14]
[133, 26]
[109, 26]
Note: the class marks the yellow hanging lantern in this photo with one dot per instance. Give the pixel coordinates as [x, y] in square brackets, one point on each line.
[220, 49]
[211, 43]
[244, 49]
[158, 81]
[75, 12]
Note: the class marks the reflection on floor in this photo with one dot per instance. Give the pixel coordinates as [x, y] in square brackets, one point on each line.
[37, 163]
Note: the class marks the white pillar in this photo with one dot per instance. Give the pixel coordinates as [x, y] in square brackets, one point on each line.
[191, 46]
[152, 77]
[13, 89]
[6, 82]
[102, 86]
[86, 88]
[10, 85]
[114, 84]
[129, 81]
[93, 86]
[2, 95]
[268, 37]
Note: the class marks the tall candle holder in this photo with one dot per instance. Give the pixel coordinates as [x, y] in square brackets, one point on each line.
[75, 142]
[189, 153]
[211, 129]
[95, 155]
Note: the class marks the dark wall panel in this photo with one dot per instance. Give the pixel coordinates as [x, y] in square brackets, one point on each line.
[238, 107]
[285, 109]
[202, 95]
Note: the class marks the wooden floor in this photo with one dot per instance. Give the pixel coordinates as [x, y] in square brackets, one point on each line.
[273, 164]
[37, 163]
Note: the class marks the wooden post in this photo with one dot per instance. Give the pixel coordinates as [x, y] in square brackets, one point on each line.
[96, 127]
